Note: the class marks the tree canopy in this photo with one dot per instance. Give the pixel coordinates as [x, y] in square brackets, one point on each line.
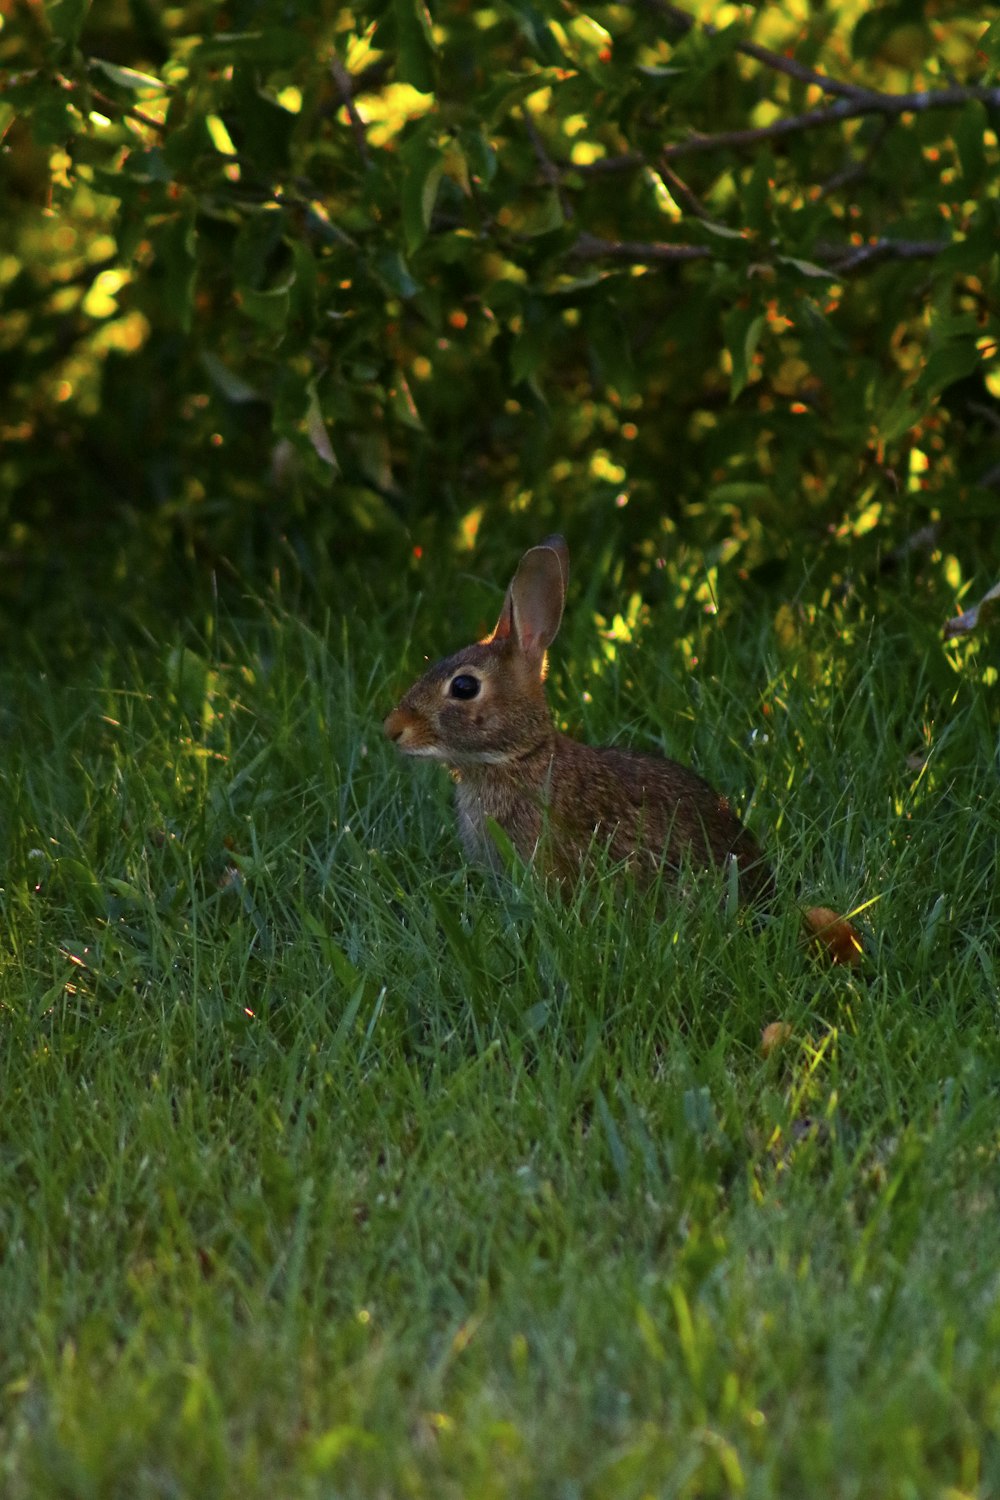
[282, 279]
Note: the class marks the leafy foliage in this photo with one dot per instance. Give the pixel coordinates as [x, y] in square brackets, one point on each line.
[280, 279]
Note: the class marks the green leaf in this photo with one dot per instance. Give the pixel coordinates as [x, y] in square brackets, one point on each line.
[257, 246]
[757, 193]
[423, 169]
[537, 31]
[722, 231]
[739, 492]
[230, 385]
[316, 429]
[989, 43]
[127, 78]
[66, 18]
[392, 270]
[404, 407]
[509, 90]
[269, 309]
[879, 25]
[176, 246]
[415, 61]
[53, 123]
[609, 338]
[274, 47]
[302, 291]
[807, 267]
[899, 418]
[532, 344]
[542, 216]
[742, 328]
[970, 128]
[953, 361]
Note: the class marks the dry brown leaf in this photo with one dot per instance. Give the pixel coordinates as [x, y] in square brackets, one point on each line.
[833, 935]
[974, 617]
[774, 1036]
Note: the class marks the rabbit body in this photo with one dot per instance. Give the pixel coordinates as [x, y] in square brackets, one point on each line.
[483, 713]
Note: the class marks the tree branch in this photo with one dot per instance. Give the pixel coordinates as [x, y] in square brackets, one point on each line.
[839, 260]
[111, 107]
[855, 170]
[606, 166]
[843, 259]
[592, 247]
[777, 61]
[891, 106]
[553, 174]
[344, 84]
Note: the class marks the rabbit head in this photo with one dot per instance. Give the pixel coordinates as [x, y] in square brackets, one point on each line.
[485, 705]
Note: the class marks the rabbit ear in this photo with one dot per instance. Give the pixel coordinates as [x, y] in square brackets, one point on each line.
[533, 607]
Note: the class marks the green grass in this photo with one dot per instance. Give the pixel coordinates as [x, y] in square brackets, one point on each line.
[330, 1169]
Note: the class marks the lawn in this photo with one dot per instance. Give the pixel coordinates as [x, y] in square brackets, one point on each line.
[329, 1168]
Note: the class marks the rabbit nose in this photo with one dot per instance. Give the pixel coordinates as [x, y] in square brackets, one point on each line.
[394, 724]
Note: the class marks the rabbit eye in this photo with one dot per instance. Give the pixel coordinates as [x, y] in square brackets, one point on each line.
[464, 686]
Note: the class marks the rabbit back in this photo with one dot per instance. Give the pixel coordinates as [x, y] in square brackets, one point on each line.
[648, 812]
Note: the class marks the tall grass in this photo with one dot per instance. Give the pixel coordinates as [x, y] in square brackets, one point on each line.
[330, 1168]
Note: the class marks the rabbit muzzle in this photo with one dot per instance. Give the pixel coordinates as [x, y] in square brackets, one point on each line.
[410, 734]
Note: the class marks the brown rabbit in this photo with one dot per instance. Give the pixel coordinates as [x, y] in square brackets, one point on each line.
[483, 713]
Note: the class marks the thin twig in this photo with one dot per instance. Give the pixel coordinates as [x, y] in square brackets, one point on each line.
[777, 61]
[592, 247]
[986, 412]
[111, 106]
[345, 88]
[889, 105]
[629, 161]
[553, 174]
[857, 169]
[684, 194]
[839, 260]
[846, 258]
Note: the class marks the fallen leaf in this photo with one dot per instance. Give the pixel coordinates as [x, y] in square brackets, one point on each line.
[774, 1036]
[974, 617]
[834, 935]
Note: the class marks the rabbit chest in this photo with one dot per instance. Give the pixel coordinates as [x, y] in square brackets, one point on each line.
[493, 794]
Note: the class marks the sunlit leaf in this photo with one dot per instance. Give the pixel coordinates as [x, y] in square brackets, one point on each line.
[126, 78]
[989, 43]
[650, 70]
[316, 428]
[403, 404]
[806, 267]
[505, 93]
[721, 231]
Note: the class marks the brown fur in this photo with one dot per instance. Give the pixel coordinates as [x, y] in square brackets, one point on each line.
[556, 799]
